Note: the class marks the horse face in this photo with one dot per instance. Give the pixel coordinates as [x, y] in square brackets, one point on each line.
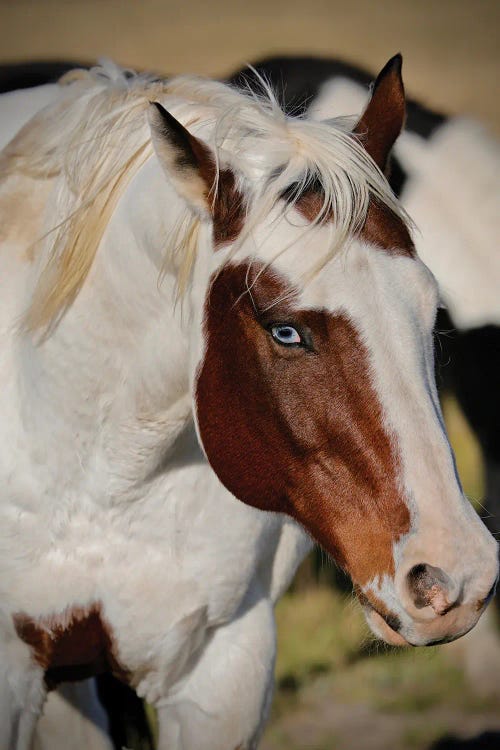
[319, 401]
[315, 392]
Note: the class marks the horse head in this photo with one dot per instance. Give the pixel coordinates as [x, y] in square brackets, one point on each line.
[312, 368]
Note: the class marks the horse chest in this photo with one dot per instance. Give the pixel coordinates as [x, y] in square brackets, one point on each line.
[125, 578]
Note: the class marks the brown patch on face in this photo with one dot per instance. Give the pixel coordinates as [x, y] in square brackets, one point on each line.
[386, 230]
[382, 227]
[73, 646]
[295, 430]
[228, 210]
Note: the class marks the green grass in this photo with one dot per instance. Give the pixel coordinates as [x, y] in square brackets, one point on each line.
[319, 630]
[424, 735]
[408, 681]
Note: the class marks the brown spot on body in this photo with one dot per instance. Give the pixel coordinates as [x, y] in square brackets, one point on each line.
[299, 431]
[74, 645]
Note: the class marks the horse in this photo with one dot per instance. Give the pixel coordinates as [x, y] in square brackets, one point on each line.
[216, 348]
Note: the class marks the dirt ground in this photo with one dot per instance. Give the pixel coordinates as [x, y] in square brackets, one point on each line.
[450, 47]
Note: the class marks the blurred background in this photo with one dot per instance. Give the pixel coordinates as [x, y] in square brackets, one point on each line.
[450, 47]
[336, 687]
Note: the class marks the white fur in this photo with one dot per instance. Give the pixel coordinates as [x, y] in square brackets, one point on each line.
[76, 470]
[106, 495]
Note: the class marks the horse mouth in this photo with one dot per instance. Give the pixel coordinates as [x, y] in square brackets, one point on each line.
[384, 627]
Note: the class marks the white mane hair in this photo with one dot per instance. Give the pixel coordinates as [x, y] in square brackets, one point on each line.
[95, 138]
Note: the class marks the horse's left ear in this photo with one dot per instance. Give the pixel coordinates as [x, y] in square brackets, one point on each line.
[384, 116]
[187, 161]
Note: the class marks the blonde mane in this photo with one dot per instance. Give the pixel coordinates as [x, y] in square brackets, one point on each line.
[95, 138]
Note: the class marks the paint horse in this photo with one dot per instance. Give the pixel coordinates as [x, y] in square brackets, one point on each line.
[216, 344]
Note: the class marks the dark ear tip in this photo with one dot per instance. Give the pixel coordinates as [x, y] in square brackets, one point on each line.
[163, 118]
[391, 68]
[393, 65]
[396, 62]
[159, 107]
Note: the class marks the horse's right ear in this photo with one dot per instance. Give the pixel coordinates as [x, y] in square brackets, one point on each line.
[384, 116]
[188, 163]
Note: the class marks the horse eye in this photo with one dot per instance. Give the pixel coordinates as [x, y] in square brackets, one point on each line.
[286, 335]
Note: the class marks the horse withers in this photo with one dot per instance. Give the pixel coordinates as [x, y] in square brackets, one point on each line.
[164, 444]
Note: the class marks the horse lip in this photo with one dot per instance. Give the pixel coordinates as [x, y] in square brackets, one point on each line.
[382, 627]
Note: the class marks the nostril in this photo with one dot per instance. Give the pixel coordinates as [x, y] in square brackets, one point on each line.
[431, 587]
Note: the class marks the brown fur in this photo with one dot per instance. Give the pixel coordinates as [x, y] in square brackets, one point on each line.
[224, 200]
[299, 431]
[383, 118]
[74, 645]
[381, 228]
[387, 231]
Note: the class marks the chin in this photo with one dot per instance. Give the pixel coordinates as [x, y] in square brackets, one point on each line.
[382, 629]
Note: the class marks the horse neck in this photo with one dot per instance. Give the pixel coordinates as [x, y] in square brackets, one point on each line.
[114, 372]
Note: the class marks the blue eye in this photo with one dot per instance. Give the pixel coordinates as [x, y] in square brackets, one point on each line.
[286, 335]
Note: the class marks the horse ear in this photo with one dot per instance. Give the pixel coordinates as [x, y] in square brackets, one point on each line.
[187, 161]
[191, 168]
[384, 116]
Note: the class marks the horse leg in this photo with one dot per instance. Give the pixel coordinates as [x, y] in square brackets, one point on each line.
[224, 702]
[22, 695]
[73, 719]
